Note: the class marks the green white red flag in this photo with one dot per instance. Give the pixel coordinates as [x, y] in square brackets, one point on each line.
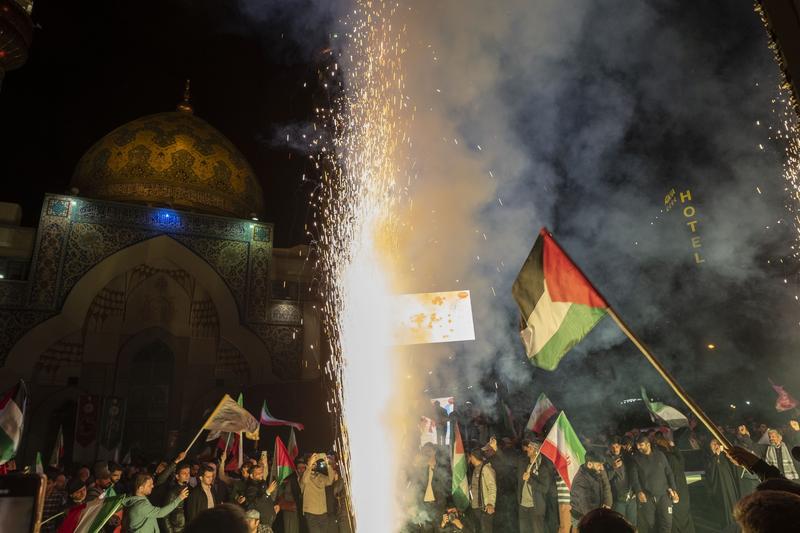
[268, 420]
[38, 467]
[564, 449]
[12, 418]
[543, 411]
[58, 448]
[559, 305]
[460, 486]
[282, 463]
[90, 517]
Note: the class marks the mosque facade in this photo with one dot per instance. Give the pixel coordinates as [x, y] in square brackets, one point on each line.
[149, 291]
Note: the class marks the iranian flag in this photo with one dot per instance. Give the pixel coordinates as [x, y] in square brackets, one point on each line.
[543, 411]
[282, 463]
[558, 303]
[90, 517]
[660, 412]
[564, 449]
[460, 488]
[268, 420]
[58, 448]
[12, 417]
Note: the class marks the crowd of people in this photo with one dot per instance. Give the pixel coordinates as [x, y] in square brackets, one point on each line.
[636, 481]
[176, 496]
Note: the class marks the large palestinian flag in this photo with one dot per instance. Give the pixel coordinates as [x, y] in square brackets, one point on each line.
[460, 482]
[557, 302]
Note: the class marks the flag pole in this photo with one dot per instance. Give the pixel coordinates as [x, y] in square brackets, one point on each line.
[676, 387]
[682, 394]
[197, 436]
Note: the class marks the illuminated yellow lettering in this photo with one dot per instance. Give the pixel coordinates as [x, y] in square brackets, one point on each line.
[696, 242]
[698, 259]
[689, 211]
[686, 196]
[692, 225]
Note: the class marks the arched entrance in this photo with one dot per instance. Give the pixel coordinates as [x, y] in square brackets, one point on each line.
[150, 381]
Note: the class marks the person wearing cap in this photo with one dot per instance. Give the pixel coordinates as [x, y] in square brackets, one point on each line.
[654, 484]
[254, 524]
[776, 453]
[590, 487]
[102, 483]
[534, 479]
[482, 491]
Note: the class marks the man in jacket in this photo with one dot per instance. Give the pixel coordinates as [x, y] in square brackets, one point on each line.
[618, 470]
[482, 491]
[317, 477]
[203, 496]
[590, 488]
[141, 515]
[175, 522]
[534, 479]
[655, 487]
[777, 454]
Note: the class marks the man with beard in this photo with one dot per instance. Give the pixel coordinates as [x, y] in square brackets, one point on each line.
[175, 522]
[534, 479]
[722, 486]
[777, 454]
[236, 485]
[141, 515]
[654, 484]
[682, 521]
[748, 481]
[590, 488]
[483, 491]
[619, 477]
[260, 495]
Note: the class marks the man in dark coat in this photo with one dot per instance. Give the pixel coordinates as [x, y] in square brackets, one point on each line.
[748, 481]
[590, 487]
[175, 522]
[203, 496]
[682, 521]
[722, 486]
[654, 484]
[261, 496]
[534, 479]
[619, 476]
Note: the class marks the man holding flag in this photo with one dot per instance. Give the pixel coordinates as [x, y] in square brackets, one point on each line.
[534, 479]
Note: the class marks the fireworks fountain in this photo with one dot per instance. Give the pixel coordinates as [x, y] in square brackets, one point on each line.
[360, 192]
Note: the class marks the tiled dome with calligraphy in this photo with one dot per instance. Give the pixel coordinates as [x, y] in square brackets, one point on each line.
[172, 159]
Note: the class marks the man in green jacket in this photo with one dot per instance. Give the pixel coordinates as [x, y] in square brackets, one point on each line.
[141, 516]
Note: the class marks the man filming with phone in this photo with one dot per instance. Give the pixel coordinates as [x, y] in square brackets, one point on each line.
[316, 478]
[452, 521]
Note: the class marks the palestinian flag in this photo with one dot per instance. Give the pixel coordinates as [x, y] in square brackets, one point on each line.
[294, 451]
[543, 411]
[564, 449]
[58, 448]
[268, 420]
[90, 517]
[12, 417]
[460, 488]
[664, 413]
[282, 463]
[559, 305]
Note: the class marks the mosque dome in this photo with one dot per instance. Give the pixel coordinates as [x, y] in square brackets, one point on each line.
[172, 159]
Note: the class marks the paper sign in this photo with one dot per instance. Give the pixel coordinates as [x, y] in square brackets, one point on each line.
[431, 317]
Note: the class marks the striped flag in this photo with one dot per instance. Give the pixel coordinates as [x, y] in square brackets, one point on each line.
[90, 517]
[282, 464]
[460, 487]
[268, 420]
[12, 418]
[37, 465]
[564, 449]
[58, 448]
[543, 411]
[559, 305]
[660, 412]
[291, 447]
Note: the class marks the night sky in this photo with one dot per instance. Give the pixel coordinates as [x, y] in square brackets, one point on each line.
[586, 114]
